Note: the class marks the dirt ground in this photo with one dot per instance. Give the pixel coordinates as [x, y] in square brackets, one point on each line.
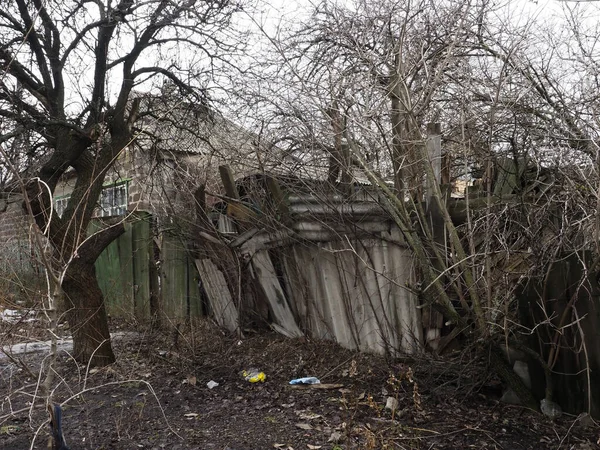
[156, 397]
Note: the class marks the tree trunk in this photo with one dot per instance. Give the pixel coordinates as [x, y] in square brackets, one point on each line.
[87, 315]
[84, 300]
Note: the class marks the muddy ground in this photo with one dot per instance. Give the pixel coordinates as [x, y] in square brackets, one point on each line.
[156, 397]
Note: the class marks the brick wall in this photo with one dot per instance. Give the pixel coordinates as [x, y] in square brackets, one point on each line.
[21, 277]
[13, 223]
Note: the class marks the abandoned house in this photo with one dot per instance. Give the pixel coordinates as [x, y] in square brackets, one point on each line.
[337, 270]
[177, 149]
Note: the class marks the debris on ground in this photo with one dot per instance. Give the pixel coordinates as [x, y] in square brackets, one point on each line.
[141, 402]
[254, 376]
[305, 380]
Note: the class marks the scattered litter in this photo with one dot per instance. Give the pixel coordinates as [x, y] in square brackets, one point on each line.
[306, 380]
[391, 404]
[212, 384]
[254, 376]
[9, 429]
[319, 386]
[308, 415]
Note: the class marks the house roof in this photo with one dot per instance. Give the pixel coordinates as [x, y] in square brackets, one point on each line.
[173, 125]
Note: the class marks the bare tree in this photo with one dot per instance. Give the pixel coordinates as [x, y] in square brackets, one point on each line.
[518, 112]
[68, 74]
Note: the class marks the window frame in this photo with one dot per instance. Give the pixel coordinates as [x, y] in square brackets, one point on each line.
[116, 208]
[118, 204]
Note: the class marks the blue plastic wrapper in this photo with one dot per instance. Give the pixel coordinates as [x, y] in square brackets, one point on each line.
[306, 380]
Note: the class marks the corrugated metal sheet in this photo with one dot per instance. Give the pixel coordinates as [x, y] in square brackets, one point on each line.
[351, 290]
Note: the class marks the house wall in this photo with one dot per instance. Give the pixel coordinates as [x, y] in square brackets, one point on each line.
[177, 149]
[13, 222]
[21, 276]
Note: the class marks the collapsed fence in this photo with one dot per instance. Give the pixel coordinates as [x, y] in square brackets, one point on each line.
[337, 268]
[333, 274]
[337, 275]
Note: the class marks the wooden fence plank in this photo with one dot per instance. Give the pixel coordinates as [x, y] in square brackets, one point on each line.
[221, 303]
[282, 314]
[115, 273]
[174, 278]
[141, 244]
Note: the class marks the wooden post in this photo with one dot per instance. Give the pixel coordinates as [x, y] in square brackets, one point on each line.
[278, 199]
[235, 208]
[434, 152]
[228, 182]
[154, 277]
[203, 222]
[433, 320]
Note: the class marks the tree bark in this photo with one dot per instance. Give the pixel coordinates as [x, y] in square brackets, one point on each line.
[86, 310]
[86, 314]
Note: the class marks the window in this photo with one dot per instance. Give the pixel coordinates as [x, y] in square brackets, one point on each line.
[113, 200]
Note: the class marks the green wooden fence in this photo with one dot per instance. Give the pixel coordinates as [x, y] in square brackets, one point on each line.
[123, 271]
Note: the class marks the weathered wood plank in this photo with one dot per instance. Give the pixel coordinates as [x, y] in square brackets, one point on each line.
[173, 278]
[282, 314]
[141, 245]
[228, 182]
[221, 302]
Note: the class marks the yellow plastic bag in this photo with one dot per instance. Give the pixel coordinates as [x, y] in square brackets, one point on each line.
[254, 376]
